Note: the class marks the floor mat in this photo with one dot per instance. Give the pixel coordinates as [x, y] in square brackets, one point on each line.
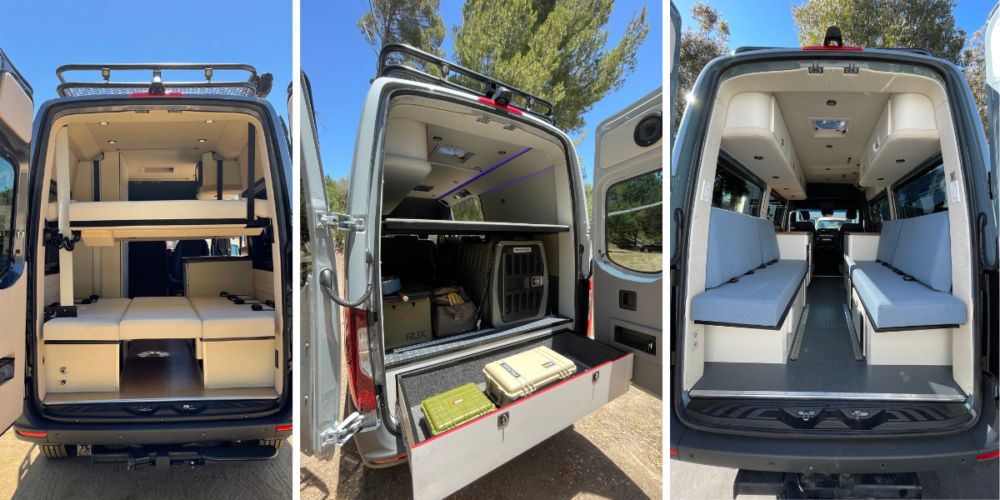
[826, 360]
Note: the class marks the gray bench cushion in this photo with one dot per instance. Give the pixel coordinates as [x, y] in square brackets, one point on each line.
[895, 303]
[924, 250]
[768, 240]
[887, 240]
[758, 299]
[733, 246]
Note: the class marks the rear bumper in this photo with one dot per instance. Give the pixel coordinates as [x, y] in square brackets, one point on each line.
[157, 433]
[830, 456]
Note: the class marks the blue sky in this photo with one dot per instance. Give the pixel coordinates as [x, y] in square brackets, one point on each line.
[340, 64]
[41, 35]
[768, 23]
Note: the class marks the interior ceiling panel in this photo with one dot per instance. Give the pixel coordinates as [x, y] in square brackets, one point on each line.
[819, 162]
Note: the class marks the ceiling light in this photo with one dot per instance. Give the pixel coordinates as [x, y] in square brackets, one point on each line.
[201, 140]
[437, 138]
[774, 177]
[831, 102]
[501, 153]
[758, 157]
[900, 160]
[104, 123]
[209, 121]
[112, 141]
[881, 178]
[828, 146]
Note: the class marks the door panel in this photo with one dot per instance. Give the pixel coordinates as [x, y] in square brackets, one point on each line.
[15, 134]
[628, 239]
[320, 345]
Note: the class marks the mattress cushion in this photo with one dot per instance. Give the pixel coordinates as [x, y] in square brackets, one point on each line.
[893, 302]
[758, 299]
[222, 319]
[160, 301]
[93, 322]
[160, 322]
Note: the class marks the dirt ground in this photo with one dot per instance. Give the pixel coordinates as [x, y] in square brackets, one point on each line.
[25, 473]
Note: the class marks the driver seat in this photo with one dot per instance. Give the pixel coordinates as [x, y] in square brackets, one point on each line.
[804, 225]
[848, 227]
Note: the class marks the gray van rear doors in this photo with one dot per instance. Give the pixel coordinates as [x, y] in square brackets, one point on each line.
[16, 109]
[628, 237]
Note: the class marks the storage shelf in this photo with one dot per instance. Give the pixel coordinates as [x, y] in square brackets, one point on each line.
[424, 226]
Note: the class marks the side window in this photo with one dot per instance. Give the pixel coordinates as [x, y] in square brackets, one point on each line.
[736, 193]
[634, 223]
[776, 209]
[468, 210]
[879, 208]
[7, 178]
[923, 195]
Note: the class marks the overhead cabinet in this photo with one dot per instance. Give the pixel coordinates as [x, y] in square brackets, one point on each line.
[756, 135]
[905, 135]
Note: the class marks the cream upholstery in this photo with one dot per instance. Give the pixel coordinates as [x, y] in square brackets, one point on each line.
[222, 319]
[98, 321]
[208, 277]
[160, 301]
[160, 322]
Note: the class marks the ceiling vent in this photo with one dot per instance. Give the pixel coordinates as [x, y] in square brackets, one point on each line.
[830, 128]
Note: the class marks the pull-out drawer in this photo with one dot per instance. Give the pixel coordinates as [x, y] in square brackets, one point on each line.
[443, 464]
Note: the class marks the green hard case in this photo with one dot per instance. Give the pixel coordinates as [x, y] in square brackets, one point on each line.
[453, 408]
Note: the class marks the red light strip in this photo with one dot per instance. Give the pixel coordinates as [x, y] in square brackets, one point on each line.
[387, 460]
[987, 456]
[508, 107]
[33, 434]
[674, 452]
[824, 47]
[282, 428]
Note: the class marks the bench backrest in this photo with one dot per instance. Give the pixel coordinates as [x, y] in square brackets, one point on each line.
[923, 250]
[887, 240]
[734, 246]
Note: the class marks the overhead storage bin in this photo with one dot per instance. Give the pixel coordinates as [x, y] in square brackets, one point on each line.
[756, 135]
[905, 135]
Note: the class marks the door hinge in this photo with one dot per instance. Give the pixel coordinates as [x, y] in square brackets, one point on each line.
[851, 69]
[342, 222]
[815, 68]
[343, 431]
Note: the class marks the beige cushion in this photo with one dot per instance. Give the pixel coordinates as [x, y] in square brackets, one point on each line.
[137, 211]
[222, 319]
[159, 301]
[160, 322]
[97, 321]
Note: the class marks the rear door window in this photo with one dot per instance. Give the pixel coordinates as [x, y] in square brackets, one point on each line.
[634, 221]
[7, 178]
[923, 195]
[734, 192]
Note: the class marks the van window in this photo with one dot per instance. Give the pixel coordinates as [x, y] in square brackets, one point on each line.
[468, 210]
[634, 222]
[7, 174]
[923, 195]
[735, 193]
[776, 209]
[879, 208]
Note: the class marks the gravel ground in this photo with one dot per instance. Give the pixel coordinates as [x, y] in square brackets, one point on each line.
[693, 481]
[24, 473]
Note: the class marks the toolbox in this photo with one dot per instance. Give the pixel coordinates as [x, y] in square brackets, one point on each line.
[453, 408]
[513, 378]
[406, 317]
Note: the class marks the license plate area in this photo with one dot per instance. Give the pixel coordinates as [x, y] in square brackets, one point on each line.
[443, 464]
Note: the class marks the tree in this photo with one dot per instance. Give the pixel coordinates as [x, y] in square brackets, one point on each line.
[413, 22]
[698, 48]
[554, 49]
[469, 210]
[974, 67]
[588, 192]
[635, 210]
[927, 24]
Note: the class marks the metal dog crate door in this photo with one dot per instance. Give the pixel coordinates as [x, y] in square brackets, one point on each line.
[407, 322]
[453, 408]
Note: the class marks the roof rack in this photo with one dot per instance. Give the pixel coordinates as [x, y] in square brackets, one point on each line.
[491, 87]
[254, 86]
[6, 65]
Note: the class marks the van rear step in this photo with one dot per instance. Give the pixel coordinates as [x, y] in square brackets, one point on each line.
[163, 456]
[792, 485]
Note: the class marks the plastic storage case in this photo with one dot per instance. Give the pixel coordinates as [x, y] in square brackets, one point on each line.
[513, 378]
[453, 408]
[407, 323]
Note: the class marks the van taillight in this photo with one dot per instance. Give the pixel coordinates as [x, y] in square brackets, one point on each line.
[590, 313]
[359, 360]
[987, 456]
[33, 434]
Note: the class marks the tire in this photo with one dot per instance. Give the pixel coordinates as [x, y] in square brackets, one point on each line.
[645, 250]
[54, 451]
[277, 443]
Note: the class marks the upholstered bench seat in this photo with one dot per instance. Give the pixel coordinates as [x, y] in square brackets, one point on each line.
[160, 318]
[758, 299]
[93, 322]
[221, 318]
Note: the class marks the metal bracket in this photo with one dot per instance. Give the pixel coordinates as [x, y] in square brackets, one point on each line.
[341, 222]
[815, 68]
[851, 69]
[343, 431]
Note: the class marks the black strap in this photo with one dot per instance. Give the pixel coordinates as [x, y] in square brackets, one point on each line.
[218, 180]
[97, 180]
[251, 150]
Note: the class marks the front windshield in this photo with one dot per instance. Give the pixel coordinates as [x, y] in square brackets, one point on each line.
[829, 224]
[839, 218]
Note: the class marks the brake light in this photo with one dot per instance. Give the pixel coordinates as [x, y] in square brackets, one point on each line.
[33, 434]
[674, 452]
[359, 360]
[834, 47]
[987, 456]
[590, 312]
[387, 460]
[156, 94]
[282, 428]
[508, 107]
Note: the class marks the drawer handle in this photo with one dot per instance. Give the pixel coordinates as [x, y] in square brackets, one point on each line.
[503, 420]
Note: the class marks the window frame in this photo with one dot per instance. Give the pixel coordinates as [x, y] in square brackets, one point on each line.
[784, 213]
[883, 196]
[604, 215]
[919, 171]
[6, 266]
[730, 163]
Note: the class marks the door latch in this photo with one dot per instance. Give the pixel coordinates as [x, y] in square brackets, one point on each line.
[807, 414]
[343, 431]
[341, 222]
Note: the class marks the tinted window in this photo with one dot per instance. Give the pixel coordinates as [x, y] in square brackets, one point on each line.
[880, 211]
[468, 210]
[923, 195]
[776, 209]
[7, 178]
[735, 193]
[634, 223]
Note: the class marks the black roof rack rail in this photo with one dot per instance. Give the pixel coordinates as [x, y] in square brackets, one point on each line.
[490, 85]
[6, 65]
[255, 86]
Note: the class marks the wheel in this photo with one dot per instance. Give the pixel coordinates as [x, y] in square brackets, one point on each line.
[277, 443]
[645, 250]
[55, 451]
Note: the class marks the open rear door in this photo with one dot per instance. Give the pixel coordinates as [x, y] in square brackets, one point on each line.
[16, 108]
[673, 58]
[989, 216]
[628, 237]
